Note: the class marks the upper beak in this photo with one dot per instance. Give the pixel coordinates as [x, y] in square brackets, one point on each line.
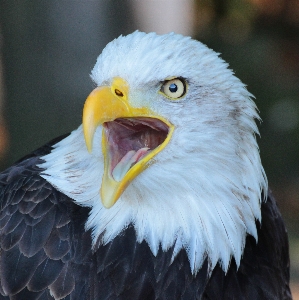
[105, 104]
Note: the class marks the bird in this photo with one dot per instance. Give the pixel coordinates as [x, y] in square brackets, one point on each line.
[160, 193]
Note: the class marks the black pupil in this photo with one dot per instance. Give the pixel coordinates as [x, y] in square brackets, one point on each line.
[173, 87]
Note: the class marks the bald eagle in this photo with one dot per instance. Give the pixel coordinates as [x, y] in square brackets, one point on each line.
[159, 194]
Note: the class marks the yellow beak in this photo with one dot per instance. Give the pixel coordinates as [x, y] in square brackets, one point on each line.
[105, 104]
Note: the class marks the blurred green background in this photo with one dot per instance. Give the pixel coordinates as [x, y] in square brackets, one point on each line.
[49, 47]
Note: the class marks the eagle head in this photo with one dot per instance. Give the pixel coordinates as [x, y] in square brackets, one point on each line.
[168, 146]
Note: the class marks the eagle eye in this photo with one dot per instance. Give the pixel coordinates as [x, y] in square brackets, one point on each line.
[174, 88]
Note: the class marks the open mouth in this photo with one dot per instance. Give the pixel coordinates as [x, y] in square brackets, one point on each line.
[129, 140]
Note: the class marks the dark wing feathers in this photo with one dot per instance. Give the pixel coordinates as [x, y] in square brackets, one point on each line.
[15, 219]
[9, 240]
[56, 247]
[17, 269]
[34, 236]
[64, 283]
[46, 253]
[46, 273]
[264, 268]
[26, 294]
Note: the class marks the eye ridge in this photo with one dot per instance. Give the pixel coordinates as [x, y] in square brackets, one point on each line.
[174, 88]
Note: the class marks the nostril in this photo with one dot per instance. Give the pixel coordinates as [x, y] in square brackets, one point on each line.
[118, 93]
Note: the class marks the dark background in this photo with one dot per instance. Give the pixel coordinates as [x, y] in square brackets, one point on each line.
[48, 49]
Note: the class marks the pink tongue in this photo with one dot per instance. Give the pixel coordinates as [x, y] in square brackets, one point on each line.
[131, 158]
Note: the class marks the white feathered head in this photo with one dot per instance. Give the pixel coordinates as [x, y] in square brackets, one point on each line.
[168, 145]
